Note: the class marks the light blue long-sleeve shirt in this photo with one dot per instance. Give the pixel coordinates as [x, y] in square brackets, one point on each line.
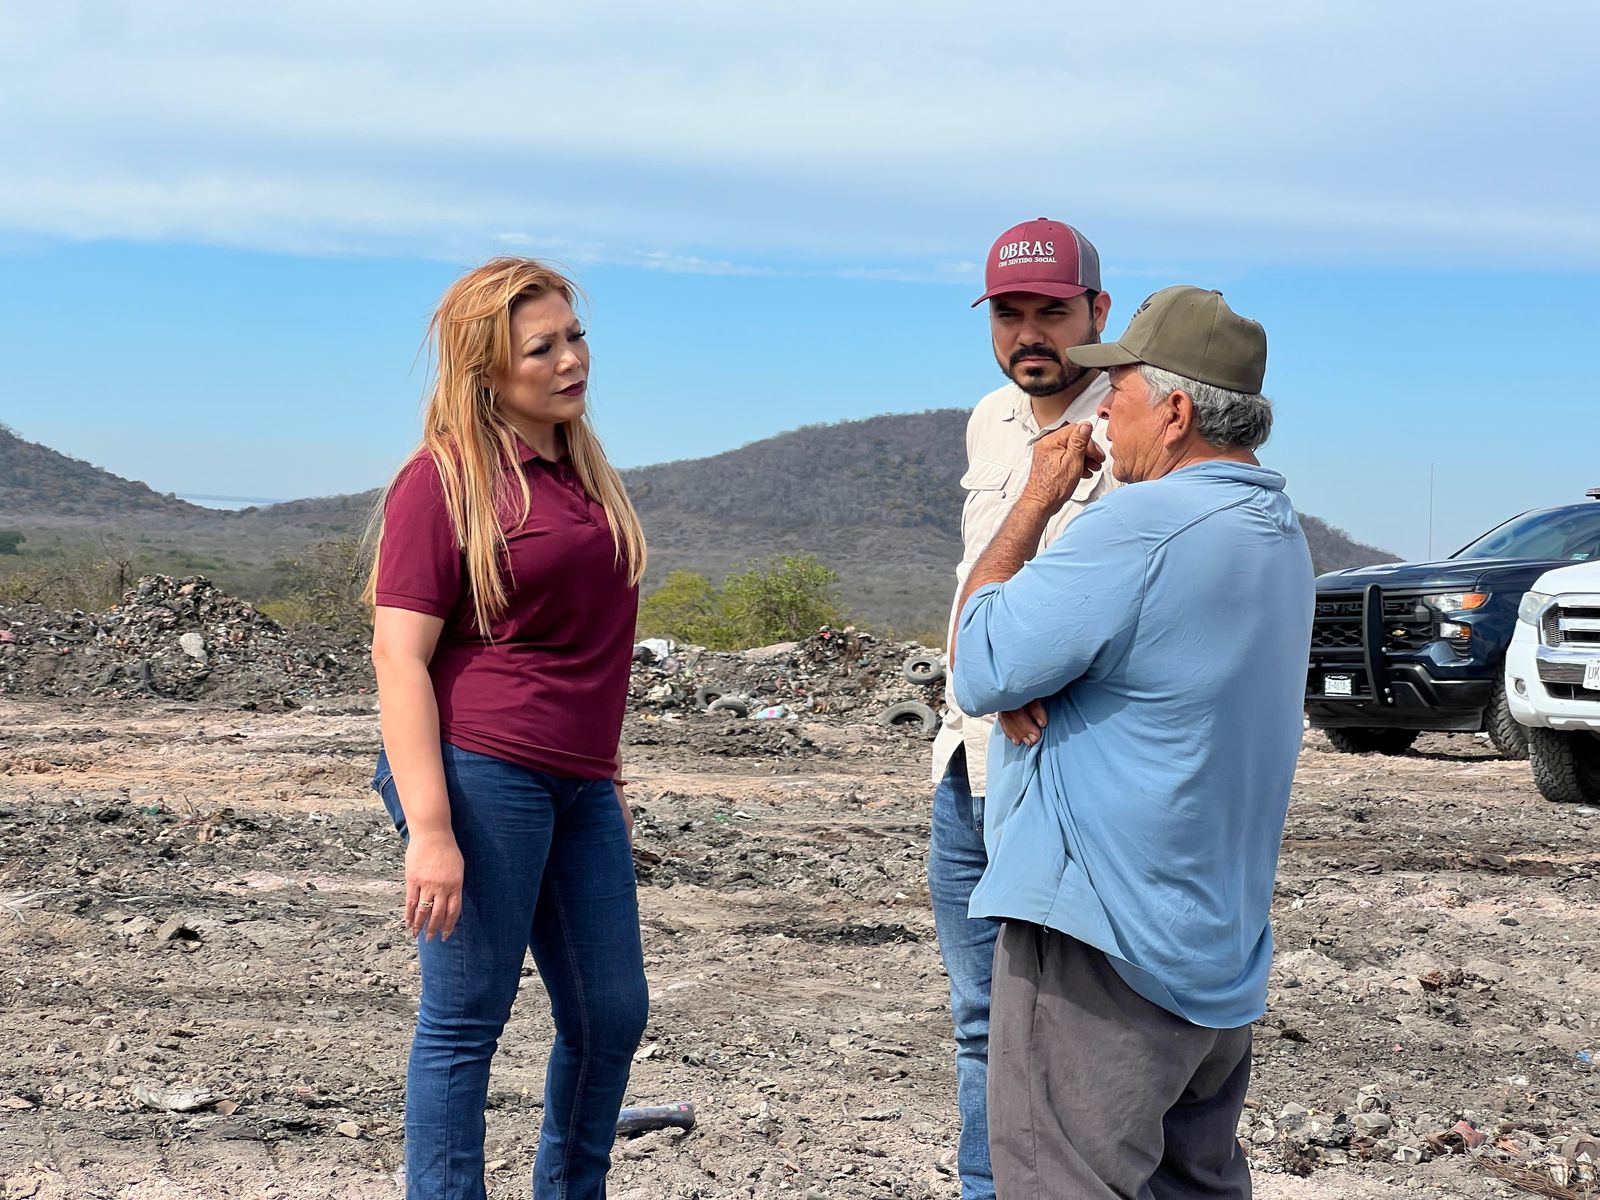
[1167, 631]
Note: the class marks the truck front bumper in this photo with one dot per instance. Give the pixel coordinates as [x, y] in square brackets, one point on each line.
[1419, 701]
[1543, 686]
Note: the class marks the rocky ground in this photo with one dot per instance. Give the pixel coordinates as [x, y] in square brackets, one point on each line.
[198, 910]
[205, 991]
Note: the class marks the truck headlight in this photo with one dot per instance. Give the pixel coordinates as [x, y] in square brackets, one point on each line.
[1456, 601]
[1531, 605]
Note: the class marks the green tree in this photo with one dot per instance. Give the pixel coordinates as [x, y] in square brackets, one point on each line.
[783, 599]
[10, 539]
[686, 608]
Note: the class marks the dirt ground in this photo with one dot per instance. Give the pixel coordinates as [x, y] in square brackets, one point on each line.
[207, 898]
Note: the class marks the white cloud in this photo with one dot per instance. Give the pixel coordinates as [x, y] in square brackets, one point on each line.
[725, 137]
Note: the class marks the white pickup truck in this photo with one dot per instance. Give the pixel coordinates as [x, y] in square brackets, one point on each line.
[1553, 681]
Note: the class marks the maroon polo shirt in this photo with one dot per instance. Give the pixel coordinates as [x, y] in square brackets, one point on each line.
[549, 688]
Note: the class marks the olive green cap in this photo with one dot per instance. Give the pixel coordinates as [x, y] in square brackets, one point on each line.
[1190, 332]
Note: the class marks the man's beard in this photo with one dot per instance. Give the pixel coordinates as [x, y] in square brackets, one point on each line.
[1070, 372]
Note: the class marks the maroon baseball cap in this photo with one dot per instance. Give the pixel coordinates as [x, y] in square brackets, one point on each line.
[1045, 257]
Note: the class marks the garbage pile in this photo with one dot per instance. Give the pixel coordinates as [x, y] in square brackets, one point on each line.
[176, 639]
[185, 639]
[840, 673]
[1297, 1140]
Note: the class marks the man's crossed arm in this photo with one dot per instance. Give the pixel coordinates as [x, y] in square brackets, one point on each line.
[1061, 460]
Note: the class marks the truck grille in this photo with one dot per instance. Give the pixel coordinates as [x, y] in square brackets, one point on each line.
[1570, 691]
[1407, 623]
[1571, 625]
[1564, 680]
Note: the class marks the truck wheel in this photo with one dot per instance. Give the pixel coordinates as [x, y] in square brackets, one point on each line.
[1372, 741]
[1509, 736]
[1566, 765]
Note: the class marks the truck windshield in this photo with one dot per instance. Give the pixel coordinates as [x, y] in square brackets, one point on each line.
[1563, 533]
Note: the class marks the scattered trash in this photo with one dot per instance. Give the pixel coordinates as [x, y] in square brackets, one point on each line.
[839, 673]
[179, 1098]
[659, 1116]
[653, 650]
[1460, 1138]
[1373, 1124]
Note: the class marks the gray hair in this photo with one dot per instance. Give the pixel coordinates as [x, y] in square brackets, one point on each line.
[1230, 420]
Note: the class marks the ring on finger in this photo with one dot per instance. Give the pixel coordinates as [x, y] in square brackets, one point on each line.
[425, 904]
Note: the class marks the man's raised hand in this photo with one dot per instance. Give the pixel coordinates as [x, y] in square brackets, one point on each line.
[1062, 459]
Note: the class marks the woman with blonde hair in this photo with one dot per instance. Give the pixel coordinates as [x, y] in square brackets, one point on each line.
[505, 588]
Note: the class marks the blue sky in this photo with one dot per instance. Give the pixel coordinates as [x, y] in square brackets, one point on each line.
[221, 228]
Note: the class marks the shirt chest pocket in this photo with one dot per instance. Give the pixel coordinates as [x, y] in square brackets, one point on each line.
[986, 475]
[987, 484]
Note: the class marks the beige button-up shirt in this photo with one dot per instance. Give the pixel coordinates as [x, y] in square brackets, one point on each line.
[1000, 437]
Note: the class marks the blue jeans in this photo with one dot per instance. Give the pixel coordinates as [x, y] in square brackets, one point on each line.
[956, 859]
[547, 867]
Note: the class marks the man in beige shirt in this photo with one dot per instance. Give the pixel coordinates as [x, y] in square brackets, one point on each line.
[1042, 283]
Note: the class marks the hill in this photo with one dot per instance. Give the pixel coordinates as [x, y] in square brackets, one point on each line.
[36, 481]
[879, 500]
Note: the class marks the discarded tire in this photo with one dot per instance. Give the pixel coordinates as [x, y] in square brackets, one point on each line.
[729, 704]
[923, 668]
[704, 697]
[909, 711]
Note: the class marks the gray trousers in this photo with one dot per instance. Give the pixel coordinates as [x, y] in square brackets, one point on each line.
[1097, 1094]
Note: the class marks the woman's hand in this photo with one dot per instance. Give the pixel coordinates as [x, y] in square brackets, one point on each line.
[433, 885]
[627, 813]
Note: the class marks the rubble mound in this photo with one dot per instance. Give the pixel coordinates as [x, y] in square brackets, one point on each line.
[840, 673]
[176, 639]
[186, 639]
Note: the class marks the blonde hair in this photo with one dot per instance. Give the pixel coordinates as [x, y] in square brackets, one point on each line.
[472, 443]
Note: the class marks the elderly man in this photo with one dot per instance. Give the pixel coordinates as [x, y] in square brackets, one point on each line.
[1133, 847]
[1042, 285]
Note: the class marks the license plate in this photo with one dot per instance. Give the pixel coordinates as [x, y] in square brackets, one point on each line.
[1591, 675]
[1344, 685]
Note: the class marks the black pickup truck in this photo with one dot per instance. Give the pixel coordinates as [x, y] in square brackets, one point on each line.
[1406, 647]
